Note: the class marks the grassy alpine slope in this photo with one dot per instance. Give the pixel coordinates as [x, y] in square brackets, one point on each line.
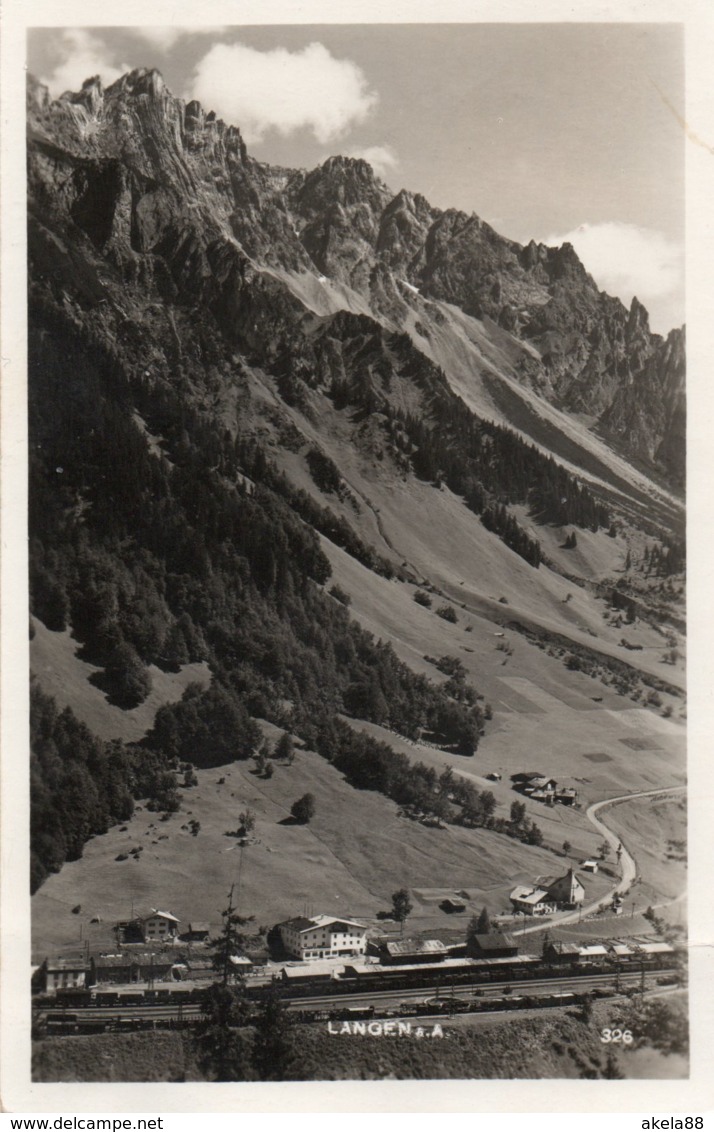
[217, 443]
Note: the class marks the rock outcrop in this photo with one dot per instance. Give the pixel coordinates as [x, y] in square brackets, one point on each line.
[167, 192]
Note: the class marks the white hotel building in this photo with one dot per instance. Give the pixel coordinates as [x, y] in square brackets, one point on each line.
[323, 937]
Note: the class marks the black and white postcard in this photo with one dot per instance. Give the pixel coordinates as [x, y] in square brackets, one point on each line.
[345, 599]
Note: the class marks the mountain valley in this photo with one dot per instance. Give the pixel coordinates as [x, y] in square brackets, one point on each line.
[326, 460]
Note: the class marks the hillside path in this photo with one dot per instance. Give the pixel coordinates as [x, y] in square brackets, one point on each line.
[627, 861]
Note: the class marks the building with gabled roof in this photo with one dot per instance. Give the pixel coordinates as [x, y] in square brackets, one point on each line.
[621, 949]
[566, 890]
[493, 945]
[198, 931]
[548, 894]
[413, 951]
[656, 947]
[566, 795]
[595, 952]
[148, 927]
[158, 925]
[532, 900]
[540, 782]
[324, 970]
[59, 974]
[323, 937]
[560, 951]
[542, 788]
[451, 905]
[131, 967]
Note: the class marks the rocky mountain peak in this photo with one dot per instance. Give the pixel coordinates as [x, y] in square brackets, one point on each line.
[90, 97]
[403, 230]
[142, 80]
[150, 176]
[345, 181]
[563, 263]
[638, 320]
[533, 254]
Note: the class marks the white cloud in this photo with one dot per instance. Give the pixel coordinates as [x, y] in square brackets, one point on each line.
[81, 55]
[626, 260]
[165, 37]
[282, 90]
[382, 158]
[162, 38]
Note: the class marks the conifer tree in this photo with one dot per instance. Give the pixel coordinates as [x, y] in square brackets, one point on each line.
[284, 748]
[471, 932]
[273, 1052]
[401, 906]
[483, 924]
[222, 1046]
[303, 809]
[228, 943]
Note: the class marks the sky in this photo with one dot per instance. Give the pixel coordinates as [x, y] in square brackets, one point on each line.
[550, 132]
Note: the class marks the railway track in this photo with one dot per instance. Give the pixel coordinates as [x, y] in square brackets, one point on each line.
[128, 1016]
[577, 983]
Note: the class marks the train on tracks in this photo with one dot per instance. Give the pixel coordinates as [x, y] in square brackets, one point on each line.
[469, 972]
[94, 1009]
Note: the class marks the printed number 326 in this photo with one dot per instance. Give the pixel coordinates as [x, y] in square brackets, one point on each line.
[624, 1036]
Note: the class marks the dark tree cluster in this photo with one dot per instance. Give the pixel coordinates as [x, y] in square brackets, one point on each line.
[125, 678]
[208, 726]
[235, 1041]
[324, 471]
[79, 786]
[197, 549]
[488, 464]
[478, 810]
[666, 559]
[303, 809]
[369, 764]
[621, 600]
[250, 458]
[497, 519]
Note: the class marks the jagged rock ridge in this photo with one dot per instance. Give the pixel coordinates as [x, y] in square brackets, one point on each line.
[171, 198]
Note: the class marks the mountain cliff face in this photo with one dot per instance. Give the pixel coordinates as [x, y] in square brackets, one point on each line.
[275, 415]
[170, 199]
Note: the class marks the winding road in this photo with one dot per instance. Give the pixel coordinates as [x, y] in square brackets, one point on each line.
[627, 862]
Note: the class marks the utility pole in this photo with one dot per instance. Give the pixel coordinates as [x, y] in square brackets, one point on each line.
[240, 875]
[229, 937]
